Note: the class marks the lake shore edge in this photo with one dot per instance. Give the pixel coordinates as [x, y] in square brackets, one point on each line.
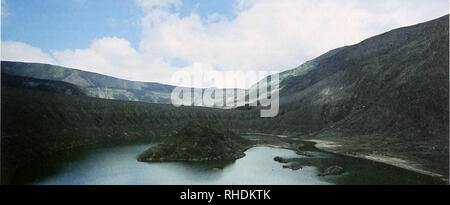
[333, 147]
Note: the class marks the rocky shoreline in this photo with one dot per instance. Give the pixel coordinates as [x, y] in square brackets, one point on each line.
[335, 148]
[197, 143]
[323, 145]
[331, 170]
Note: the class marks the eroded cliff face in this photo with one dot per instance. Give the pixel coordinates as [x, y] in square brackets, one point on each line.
[92, 84]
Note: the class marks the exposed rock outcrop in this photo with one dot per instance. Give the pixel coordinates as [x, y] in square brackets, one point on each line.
[333, 170]
[280, 160]
[197, 143]
[294, 166]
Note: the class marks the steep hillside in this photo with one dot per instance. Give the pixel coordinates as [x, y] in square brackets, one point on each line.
[396, 82]
[387, 95]
[92, 84]
[41, 85]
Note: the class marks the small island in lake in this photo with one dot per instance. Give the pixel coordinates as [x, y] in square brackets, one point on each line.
[198, 143]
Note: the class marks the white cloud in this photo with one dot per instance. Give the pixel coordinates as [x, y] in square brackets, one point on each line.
[115, 57]
[149, 4]
[278, 35]
[17, 51]
[265, 35]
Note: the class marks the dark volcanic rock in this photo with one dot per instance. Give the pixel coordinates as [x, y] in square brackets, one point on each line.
[197, 143]
[41, 85]
[395, 82]
[294, 166]
[333, 170]
[280, 159]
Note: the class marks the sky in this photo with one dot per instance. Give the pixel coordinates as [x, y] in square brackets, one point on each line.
[149, 40]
